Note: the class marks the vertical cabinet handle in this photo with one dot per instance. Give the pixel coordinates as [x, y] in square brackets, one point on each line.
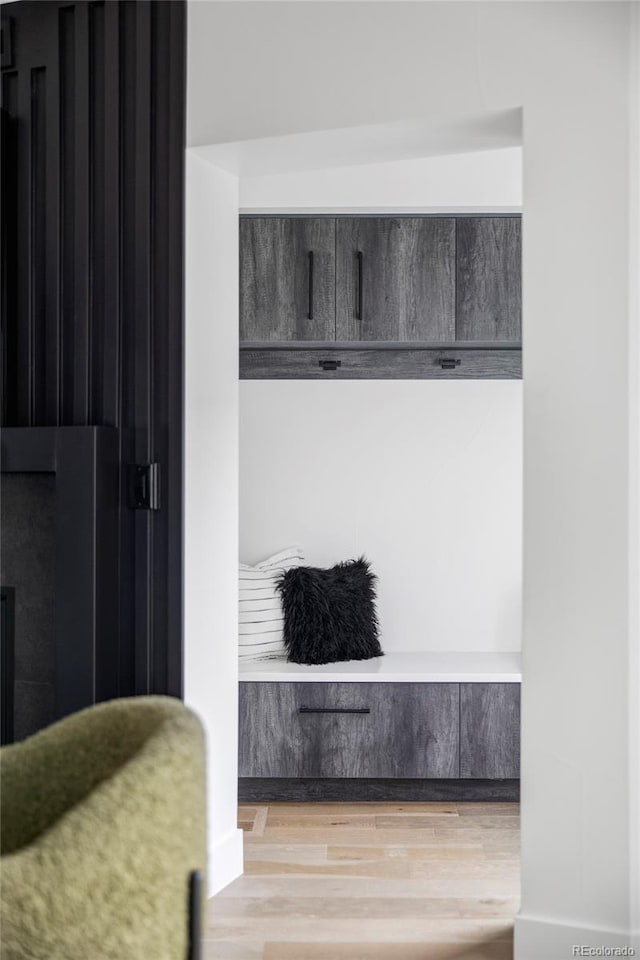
[310, 314]
[360, 256]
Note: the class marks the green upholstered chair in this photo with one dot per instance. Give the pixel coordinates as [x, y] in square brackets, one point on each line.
[103, 833]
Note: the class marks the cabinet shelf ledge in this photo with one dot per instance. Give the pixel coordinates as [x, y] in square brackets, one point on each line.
[325, 345]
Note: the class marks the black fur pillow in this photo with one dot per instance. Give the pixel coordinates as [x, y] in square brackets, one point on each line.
[330, 615]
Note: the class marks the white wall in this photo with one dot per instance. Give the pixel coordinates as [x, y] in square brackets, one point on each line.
[489, 179]
[634, 472]
[261, 69]
[211, 495]
[423, 477]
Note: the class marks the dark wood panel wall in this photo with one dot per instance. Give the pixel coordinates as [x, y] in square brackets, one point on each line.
[93, 97]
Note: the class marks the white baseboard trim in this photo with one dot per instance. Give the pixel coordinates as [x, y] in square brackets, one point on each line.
[538, 938]
[225, 861]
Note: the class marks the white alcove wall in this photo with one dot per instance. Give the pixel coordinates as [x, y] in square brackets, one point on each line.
[211, 496]
[474, 180]
[424, 478]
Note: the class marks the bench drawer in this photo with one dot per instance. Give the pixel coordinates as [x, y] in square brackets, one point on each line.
[490, 730]
[349, 730]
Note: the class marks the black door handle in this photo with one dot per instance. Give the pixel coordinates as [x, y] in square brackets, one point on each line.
[448, 363]
[360, 280]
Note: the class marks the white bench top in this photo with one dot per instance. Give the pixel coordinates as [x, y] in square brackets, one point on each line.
[395, 668]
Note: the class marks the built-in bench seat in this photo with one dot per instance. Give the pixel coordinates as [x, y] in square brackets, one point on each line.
[407, 667]
[404, 726]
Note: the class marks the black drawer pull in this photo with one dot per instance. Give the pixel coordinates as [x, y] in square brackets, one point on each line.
[329, 364]
[334, 710]
[448, 363]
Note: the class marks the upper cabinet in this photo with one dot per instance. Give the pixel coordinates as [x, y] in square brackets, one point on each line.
[489, 296]
[367, 297]
[287, 278]
[395, 279]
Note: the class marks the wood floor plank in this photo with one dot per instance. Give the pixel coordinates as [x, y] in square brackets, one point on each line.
[363, 908]
[478, 822]
[315, 887]
[371, 881]
[396, 869]
[391, 847]
[388, 930]
[477, 834]
[252, 819]
[491, 907]
[495, 809]
[260, 821]
[395, 951]
[373, 807]
[345, 834]
[330, 908]
[299, 852]
[351, 820]
[226, 950]
[444, 851]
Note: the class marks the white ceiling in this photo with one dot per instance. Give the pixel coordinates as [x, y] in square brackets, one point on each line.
[375, 143]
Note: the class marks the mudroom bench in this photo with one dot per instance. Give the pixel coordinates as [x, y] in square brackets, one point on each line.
[406, 726]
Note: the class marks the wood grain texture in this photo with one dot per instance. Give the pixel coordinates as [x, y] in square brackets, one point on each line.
[275, 278]
[387, 364]
[488, 279]
[277, 741]
[489, 730]
[402, 897]
[500, 948]
[408, 278]
[267, 789]
[407, 810]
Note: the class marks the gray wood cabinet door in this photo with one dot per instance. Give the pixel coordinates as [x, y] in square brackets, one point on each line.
[490, 730]
[349, 730]
[287, 278]
[395, 279]
[488, 282]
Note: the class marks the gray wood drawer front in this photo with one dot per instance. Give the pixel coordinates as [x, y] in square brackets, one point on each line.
[264, 363]
[409, 730]
[490, 730]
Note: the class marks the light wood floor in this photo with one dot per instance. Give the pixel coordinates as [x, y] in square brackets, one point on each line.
[378, 881]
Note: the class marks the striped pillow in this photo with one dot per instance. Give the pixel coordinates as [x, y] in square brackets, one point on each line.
[261, 621]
